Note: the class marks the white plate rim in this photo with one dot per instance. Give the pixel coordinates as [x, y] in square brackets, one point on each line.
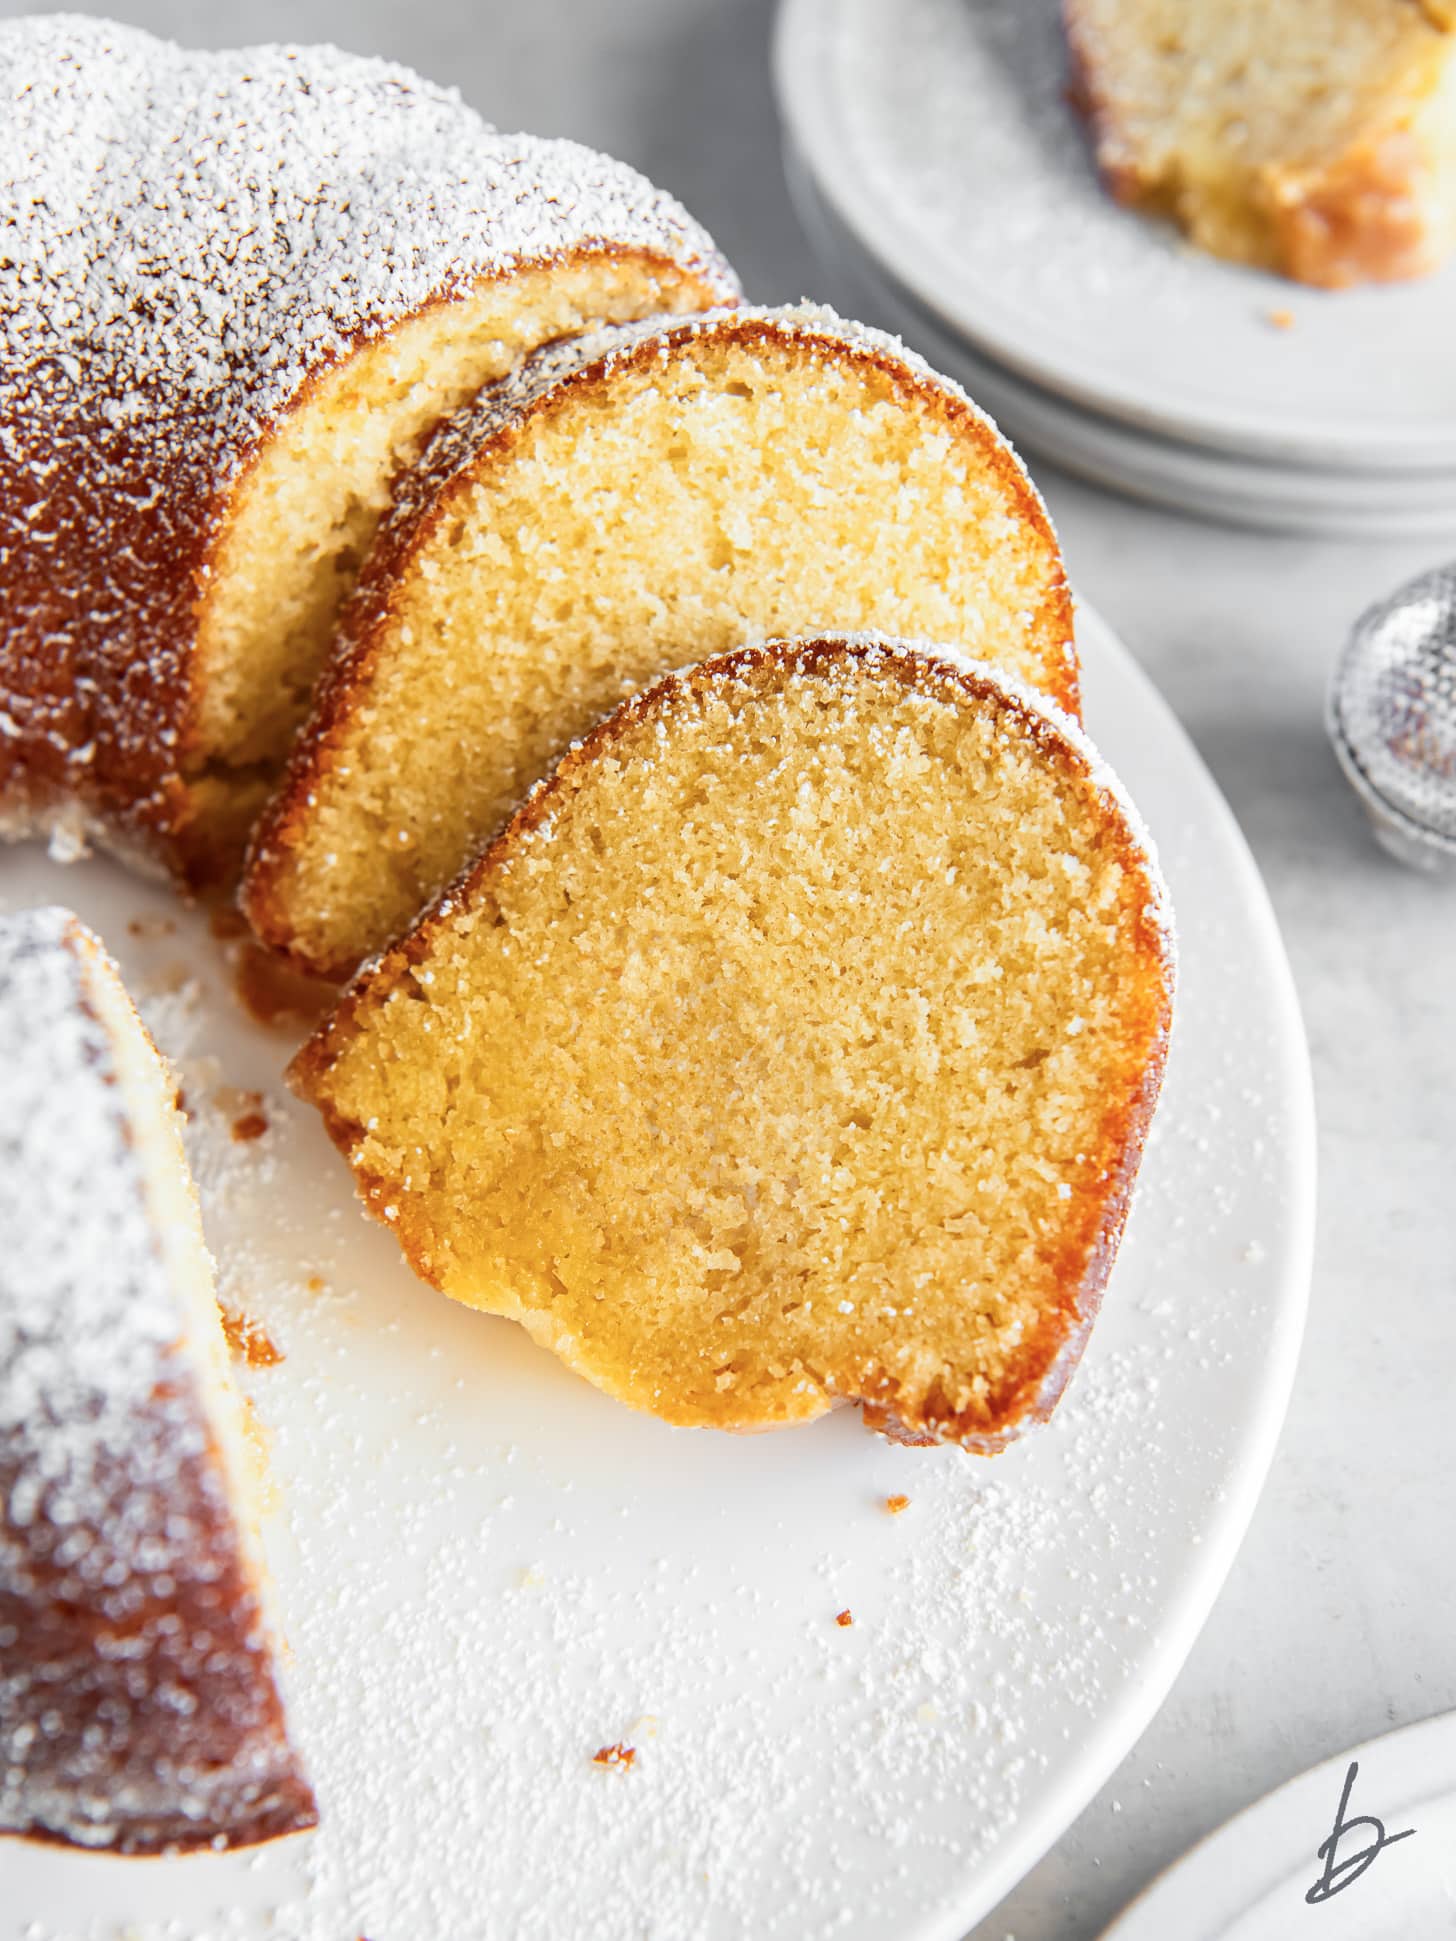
[1198, 1885]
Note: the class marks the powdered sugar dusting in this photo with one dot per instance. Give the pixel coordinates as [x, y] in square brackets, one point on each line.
[137, 1706]
[191, 239]
[76, 1340]
[199, 231]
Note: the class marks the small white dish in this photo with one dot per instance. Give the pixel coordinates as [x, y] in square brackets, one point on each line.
[490, 1572]
[941, 135]
[1359, 1848]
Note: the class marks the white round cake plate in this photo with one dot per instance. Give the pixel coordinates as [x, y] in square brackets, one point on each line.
[489, 1573]
[1262, 494]
[942, 136]
[1251, 1881]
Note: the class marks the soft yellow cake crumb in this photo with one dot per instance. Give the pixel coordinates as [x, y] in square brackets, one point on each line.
[748, 486]
[793, 1045]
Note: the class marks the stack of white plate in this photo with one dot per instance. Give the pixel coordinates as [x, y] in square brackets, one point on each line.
[947, 186]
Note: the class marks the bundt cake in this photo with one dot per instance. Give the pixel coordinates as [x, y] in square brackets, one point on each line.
[623, 501]
[1314, 137]
[236, 290]
[139, 1706]
[793, 1043]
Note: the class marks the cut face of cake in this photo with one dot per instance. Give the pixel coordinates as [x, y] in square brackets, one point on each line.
[1314, 137]
[139, 1703]
[659, 492]
[239, 290]
[793, 1044]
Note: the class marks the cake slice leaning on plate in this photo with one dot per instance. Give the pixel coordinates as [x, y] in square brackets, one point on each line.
[793, 1044]
[660, 492]
[139, 1702]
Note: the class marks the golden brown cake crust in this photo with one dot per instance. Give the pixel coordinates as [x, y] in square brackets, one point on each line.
[1037, 1375]
[465, 447]
[107, 1670]
[139, 1712]
[154, 347]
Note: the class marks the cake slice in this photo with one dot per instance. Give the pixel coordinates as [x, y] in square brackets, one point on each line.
[237, 290]
[139, 1701]
[1313, 137]
[793, 1044]
[662, 491]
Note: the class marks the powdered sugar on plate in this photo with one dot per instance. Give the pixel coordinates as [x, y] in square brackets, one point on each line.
[491, 1575]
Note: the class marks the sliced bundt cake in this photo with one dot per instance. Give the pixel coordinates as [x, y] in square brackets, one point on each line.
[659, 491]
[235, 292]
[139, 1707]
[794, 1043]
[1316, 137]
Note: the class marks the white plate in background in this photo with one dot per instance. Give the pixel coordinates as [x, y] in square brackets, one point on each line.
[1252, 1879]
[941, 135]
[489, 1571]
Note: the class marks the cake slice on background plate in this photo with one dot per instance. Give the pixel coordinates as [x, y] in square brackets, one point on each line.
[239, 290]
[794, 1044]
[659, 492]
[140, 1710]
[1312, 137]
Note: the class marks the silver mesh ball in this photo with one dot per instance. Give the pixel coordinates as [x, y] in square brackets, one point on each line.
[1392, 718]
